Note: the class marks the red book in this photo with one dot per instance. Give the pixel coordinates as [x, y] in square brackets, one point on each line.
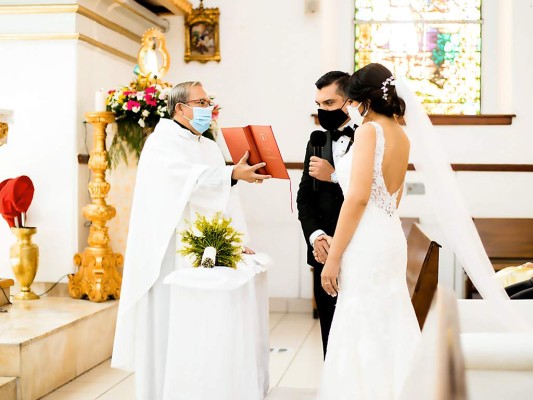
[260, 142]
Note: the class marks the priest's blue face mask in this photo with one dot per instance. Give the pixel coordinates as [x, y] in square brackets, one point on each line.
[202, 118]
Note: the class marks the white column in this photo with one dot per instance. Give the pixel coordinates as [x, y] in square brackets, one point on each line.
[55, 55]
[337, 39]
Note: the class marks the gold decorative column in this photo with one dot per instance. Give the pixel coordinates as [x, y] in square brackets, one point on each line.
[97, 276]
[4, 128]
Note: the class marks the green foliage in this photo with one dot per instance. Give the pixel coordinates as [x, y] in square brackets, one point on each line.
[216, 232]
[130, 138]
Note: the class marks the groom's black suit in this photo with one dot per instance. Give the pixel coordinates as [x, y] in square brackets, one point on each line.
[319, 210]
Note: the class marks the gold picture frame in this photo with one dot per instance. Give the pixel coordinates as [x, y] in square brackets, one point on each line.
[201, 35]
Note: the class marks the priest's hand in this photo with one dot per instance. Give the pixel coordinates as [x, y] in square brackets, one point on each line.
[247, 250]
[320, 169]
[245, 172]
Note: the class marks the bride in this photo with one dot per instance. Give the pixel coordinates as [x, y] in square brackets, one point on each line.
[374, 330]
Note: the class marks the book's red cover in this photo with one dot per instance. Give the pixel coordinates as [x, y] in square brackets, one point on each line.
[259, 140]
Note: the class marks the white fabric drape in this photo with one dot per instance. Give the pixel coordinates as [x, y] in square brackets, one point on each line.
[218, 333]
[179, 174]
[448, 204]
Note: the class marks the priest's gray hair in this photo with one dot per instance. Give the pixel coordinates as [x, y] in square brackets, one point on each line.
[179, 94]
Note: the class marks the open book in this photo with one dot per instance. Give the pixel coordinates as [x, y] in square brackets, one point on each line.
[259, 140]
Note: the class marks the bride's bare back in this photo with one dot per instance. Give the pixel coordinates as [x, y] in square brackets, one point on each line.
[396, 157]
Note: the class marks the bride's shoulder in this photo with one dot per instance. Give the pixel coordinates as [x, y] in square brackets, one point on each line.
[365, 138]
[366, 130]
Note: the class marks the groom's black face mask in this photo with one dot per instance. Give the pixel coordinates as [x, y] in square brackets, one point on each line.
[332, 120]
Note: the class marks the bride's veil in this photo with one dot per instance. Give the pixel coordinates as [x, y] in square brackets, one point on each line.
[443, 194]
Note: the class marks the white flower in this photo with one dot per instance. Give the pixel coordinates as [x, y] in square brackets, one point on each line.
[145, 113]
[135, 109]
[125, 106]
[140, 95]
[141, 122]
[164, 93]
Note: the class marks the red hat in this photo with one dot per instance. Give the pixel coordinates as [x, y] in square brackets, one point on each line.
[15, 198]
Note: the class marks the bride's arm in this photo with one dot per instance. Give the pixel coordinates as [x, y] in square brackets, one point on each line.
[354, 204]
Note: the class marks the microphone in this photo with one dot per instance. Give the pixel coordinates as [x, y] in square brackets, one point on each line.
[318, 140]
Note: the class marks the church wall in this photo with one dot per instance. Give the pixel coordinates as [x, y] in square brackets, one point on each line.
[42, 145]
[272, 53]
[270, 61]
[506, 87]
[50, 83]
[268, 78]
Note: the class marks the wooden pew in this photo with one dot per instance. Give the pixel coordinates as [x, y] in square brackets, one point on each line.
[422, 271]
[407, 224]
[507, 241]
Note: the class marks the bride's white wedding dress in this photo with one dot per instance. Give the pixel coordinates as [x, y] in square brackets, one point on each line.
[374, 330]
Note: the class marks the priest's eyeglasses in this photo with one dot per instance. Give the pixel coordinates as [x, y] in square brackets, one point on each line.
[201, 102]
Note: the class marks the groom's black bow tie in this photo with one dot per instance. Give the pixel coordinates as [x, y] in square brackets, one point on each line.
[348, 131]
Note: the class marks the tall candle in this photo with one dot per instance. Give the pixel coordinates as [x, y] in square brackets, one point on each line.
[99, 100]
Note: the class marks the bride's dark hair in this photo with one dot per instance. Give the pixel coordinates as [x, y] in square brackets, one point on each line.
[367, 85]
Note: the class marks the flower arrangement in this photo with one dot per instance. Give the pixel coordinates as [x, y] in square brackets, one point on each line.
[138, 108]
[216, 232]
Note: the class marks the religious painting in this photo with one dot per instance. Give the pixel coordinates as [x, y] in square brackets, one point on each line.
[201, 35]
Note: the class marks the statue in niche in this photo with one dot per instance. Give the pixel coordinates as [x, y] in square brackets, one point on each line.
[153, 57]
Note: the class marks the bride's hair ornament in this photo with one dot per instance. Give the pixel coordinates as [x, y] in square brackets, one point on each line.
[389, 81]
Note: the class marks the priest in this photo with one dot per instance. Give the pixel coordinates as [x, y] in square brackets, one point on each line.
[180, 173]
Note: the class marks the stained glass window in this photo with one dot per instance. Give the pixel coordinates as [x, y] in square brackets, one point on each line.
[435, 44]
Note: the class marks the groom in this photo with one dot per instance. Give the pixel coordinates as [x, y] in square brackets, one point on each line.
[319, 203]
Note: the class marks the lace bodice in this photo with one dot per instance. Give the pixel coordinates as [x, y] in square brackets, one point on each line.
[379, 195]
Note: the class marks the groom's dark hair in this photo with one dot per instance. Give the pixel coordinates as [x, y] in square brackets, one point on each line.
[338, 77]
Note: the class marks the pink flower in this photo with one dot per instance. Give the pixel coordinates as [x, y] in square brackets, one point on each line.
[216, 111]
[150, 90]
[131, 103]
[128, 92]
[150, 100]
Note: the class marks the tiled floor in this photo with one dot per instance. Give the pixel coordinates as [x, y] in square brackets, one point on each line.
[295, 365]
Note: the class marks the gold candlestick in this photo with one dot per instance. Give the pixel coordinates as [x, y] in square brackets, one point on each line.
[97, 276]
[4, 128]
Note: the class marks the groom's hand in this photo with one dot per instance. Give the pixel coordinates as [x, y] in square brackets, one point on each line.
[320, 169]
[321, 248]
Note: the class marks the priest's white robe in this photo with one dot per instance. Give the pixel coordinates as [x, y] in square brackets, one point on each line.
[179, 174]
